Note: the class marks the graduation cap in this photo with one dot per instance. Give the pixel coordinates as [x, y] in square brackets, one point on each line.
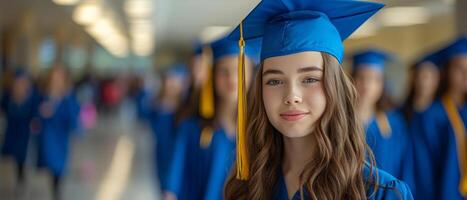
[228, 47]
[294, 26]
[373, 58]
[434, 58]
[456, 48]
[198, 48]
[177, 70]
[20, 73]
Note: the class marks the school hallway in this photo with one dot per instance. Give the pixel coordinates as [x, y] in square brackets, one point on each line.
[111, 161]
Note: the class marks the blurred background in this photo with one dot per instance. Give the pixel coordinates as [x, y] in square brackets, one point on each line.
[115, 49]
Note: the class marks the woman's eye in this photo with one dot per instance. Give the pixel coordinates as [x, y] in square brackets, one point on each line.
[274, 82]
[309, 80]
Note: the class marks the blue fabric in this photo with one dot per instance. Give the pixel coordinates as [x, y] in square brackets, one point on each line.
[177, 70]
[376, 59]
[18, 117]
[198, 48]
[423, 163]
[55, 134]
[443, 149]
[190, 163]
[227, 47]
[294, 26]
[223, 160]
[163, 128]
[141, 100]
[20, 72]
[389, 188]
[455, 48]
[393, 154]
[434, 58]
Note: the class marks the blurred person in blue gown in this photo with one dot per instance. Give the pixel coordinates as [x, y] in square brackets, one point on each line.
[56, 121]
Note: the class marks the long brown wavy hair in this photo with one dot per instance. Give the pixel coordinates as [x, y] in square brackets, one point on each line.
[335, 172]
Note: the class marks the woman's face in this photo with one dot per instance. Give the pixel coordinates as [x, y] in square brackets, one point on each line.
[174, 86]
[369, 84]
[426, 80]
[293, 93]
[226, 76]
[57, 82]
[21, 88]
[199, 70]
[457, 74]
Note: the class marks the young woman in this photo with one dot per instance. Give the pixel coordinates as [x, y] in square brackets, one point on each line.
[424, 80]
[57, 119]
[303, 137]
[385, 129]
[446, 121]
[198, 139]
[19, 110]
[161, 117]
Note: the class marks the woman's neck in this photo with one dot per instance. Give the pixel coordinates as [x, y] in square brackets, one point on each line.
[297, 153]
[421, 103]
[169, 103]
[366, 112]
[226, 117]
[457, 97]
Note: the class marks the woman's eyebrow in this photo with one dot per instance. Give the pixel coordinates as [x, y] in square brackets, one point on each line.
[309, 69]
[272, 71]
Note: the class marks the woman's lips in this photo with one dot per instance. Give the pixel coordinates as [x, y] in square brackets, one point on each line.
[293, 115]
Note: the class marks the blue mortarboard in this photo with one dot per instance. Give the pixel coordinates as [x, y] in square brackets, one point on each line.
[177, 70]
[434, 58]
[376, 59]
[20, 73]
[227, 47]
[458, 47]
[198, 48]
[294, 26]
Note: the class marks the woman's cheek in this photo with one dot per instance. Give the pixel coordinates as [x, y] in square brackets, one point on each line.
[271, 98]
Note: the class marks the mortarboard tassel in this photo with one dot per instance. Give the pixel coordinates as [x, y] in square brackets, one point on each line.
[242, 156]
[382, 122]
[206, 107]
[459, 131]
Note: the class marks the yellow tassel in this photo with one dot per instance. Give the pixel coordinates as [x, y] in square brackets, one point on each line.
[206, 107]
[461, 140]
[242, 156]
[383, 124]
[206, 137]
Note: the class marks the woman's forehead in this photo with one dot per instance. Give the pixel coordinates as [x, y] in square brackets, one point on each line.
[294, 61]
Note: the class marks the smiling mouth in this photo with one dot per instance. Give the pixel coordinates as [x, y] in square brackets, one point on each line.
[294, 116]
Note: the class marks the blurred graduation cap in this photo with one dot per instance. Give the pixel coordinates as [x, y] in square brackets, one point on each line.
[20, 72]
[434, 58]
[373, 58]
[455, 48]
[228, 47]
[177, 70]
[294, 26]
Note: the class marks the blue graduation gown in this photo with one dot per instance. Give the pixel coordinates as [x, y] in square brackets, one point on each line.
[389, 188]
[142, 101]
[190, 162]
[162, 125]
[18, 117]
[223, 160]
[423, 162]
[443, 147]
[55, 132]
[393, 153]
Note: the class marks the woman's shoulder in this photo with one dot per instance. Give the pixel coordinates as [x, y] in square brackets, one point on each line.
[382, 185]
